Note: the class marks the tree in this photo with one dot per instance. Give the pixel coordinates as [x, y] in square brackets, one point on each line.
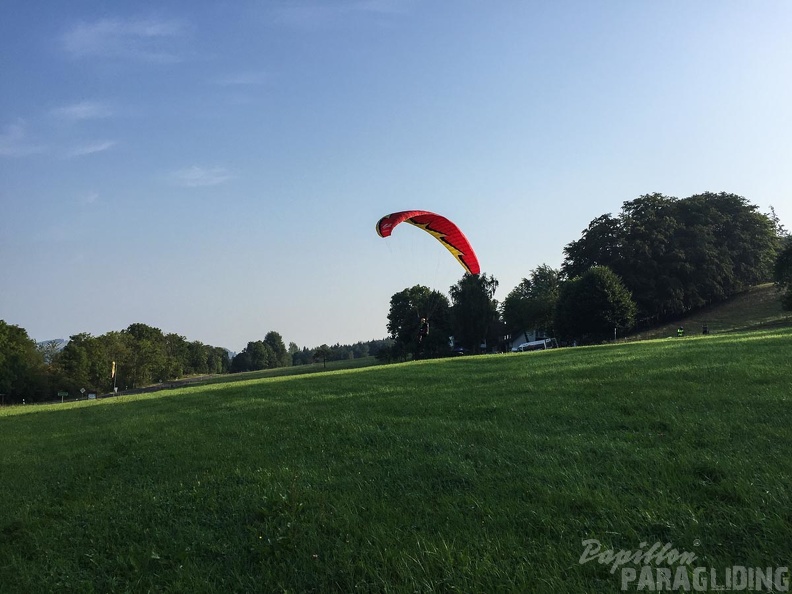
[322, 354]
[22, 374]
[778, 227]
[591, 306]
[474, 311]
[197, 358]
[74, 363]
[677, 255]
[241, 362]
[281, 355]
[218, 360]
[149, 361]
[782, 273]
[531, 304]
[649, 256]
[118, 347]
[404, 318]
[600, 246]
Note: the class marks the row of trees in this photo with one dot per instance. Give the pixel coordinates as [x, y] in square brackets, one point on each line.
[139, 356]
[271, 352]
[468, 320]
[660, 258]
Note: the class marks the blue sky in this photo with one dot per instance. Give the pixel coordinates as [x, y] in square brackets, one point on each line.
[216, 169]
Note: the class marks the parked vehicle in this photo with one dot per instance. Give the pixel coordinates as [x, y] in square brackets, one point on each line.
[536, 345]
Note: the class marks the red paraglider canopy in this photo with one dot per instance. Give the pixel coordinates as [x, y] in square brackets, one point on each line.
[441, 228]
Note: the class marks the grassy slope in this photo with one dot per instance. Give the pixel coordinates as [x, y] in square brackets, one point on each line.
[475, 474]
[758, 307]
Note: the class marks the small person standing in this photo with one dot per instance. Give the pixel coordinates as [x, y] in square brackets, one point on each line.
[423, 331]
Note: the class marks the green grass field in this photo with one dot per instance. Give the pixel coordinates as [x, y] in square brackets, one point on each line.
[476, 474]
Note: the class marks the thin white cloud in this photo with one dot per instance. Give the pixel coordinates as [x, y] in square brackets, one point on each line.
[85, 110]
[14, 142]
[89, 198]
[150, 40]
[197, 177]
[91, 148]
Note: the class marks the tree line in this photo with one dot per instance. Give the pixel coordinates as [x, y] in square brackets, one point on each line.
[660, 258]
[136, 357]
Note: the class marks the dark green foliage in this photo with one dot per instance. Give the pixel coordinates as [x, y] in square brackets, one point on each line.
[531, 305]
[322, 353]
[143, 355]
[342, 352]
[22, 373]
[280, 355]
[678, 255]
[782, 273]
[591, 306]
[262, 354]
[474, 311]
[404, 319]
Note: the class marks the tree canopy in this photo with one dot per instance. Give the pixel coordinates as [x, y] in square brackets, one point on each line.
[782, 273]
[21, 365]
[591, 306]
[677, 255]
[407, 307]
[475, 311]
[531, 304]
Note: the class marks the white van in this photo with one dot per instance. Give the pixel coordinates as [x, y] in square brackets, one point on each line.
[536, 345]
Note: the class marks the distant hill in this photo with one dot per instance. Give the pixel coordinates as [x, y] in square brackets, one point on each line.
[50, 348]
[56, 343]
[757, 308]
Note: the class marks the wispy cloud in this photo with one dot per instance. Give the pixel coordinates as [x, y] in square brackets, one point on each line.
[88, 198]
[90, 148]
[85, 110]
[14, 141]
[150, 40]
[196, 177]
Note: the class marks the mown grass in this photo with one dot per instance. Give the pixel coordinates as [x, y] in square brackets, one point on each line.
[474, 474]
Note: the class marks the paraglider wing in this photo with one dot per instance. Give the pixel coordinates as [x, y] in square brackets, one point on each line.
[441, 228]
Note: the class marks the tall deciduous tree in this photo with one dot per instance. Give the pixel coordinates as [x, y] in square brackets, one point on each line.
[591, 306]
[21, 366]
[275, 342]
[475, 311]
[75, 363]
[404, 319]
[322, 354]
[149, 361]
[531, 304]
[600, 245]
